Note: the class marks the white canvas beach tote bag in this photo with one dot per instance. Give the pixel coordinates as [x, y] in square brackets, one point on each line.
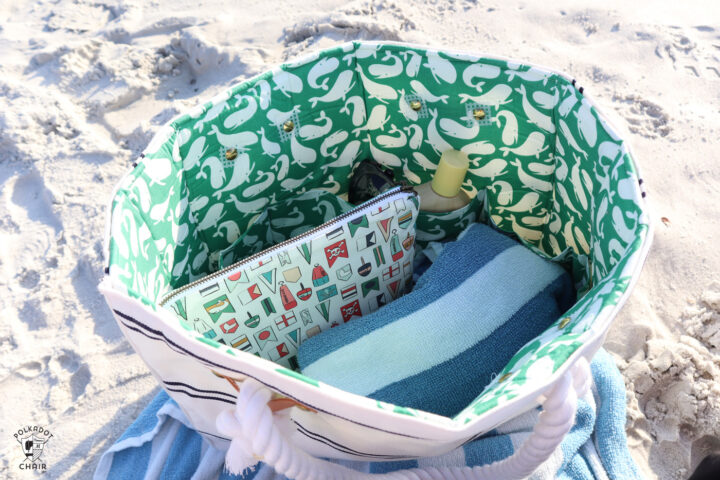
[546, 166]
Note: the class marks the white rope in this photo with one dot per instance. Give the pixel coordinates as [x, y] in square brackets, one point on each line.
[255, 438]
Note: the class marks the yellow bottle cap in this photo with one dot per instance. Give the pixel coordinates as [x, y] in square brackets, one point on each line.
[450, 173]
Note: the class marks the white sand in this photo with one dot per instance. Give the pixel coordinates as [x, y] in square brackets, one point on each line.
[83, 84]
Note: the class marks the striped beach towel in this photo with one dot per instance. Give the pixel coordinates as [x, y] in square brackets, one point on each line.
[436, 348]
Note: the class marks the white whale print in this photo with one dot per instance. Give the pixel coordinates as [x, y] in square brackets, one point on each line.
[213, 215]
[510, 132]
[577, 186]
[235, 140]
[440, 68]
[183, 136]
[264, 94]
[331, 185]
[523, 232]
[413, 66]
[479, 148]
[344, 83]
[545, 100]
[379, 70]
[259, 186]
[210, 115]
[494, 168]
[410, 176]
[560, 188]
[242, 168]
[301, 155]
[587, 125]
[542, 169]
[555, 222]
[253, 206]
[232, 231]
[497, 96]
[384, 158]
[531, 181]
[287, 82]
[311, 132]
[425, 94]
[626, 233]
[435, 233]
[389, 141]
[534, 115]
[415, 132]
[561, 169]
[349, 154]
[569, 236]
[533, 146]
[323, 67]
[358, 109]
[600, 216]
[504, 195]
[200, 258]
[536, 221]
[377, 120]
[269, 148]
[217, 172]
[423, 162]
[479, 70]
[565, 131]
[376, 90]
[157, 170]
[567, 105]
[329, 210]
[454, 129]
[281, 166]
[529, 202]
[294, 184]
[241, 116]
[277, 117]
[142, 194]
[530, 75]
[434, 139]
[331, 141]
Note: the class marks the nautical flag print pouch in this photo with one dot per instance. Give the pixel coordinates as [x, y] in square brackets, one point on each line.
[270, 302]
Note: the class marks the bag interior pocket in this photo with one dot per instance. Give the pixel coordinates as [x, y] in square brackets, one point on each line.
[441, 226]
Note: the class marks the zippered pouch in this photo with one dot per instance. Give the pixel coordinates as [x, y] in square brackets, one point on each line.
[269, 302]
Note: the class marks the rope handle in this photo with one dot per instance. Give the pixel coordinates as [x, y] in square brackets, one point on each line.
[255, 438]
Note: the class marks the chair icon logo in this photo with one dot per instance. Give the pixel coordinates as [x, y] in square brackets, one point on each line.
[32, 440]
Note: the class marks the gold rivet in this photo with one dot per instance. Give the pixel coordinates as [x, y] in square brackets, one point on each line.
[504, 377]
[416, 105]
[563, 323]
[231, 153]
[288, 126]
[478, 113]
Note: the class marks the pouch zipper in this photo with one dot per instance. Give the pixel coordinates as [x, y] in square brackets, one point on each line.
[403, 188]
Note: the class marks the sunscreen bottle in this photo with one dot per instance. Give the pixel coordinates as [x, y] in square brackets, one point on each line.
[443, 193]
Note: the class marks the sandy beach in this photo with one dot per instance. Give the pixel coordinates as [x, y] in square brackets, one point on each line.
[85, 84]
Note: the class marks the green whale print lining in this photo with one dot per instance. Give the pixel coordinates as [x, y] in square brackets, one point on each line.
[544, 167]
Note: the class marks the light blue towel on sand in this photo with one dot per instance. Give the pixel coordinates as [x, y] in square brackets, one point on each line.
[436, 348]
[161, 443]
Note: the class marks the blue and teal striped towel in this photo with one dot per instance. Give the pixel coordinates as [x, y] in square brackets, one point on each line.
[436, 348]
